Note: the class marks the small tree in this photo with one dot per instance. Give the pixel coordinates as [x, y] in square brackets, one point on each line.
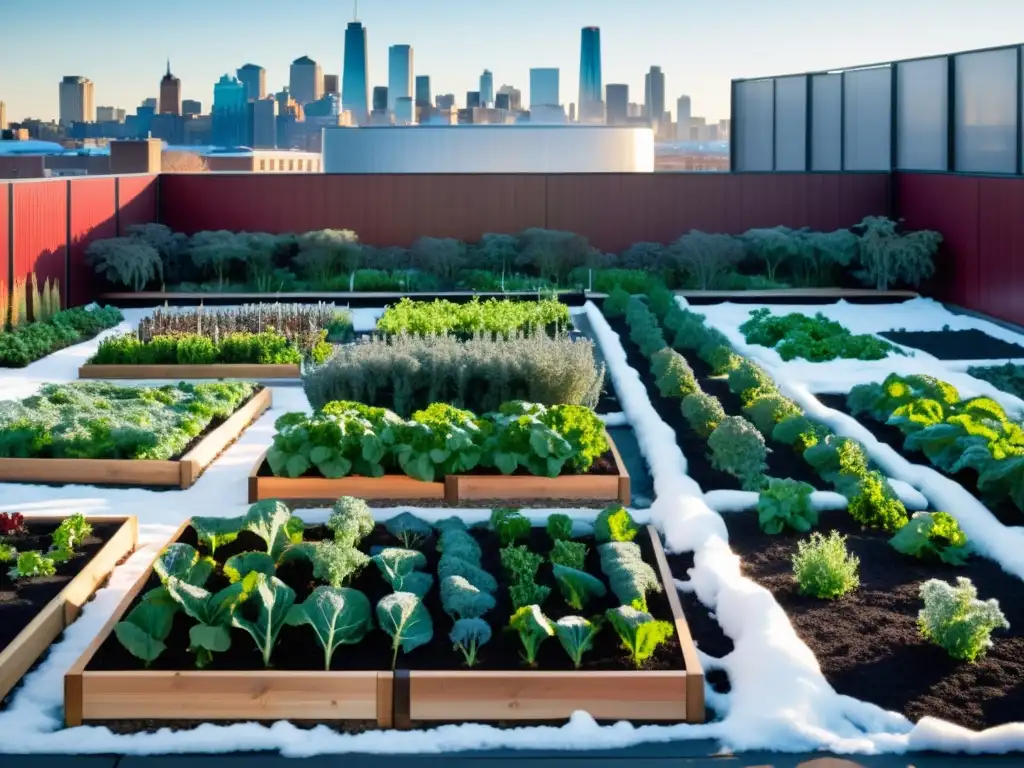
[324, 253]
[774, 247]
[647, 256]
[706, 257]
[126, 261]
[183, 162]
[889, 256]
[170, 245]
[213, 252]
[822, 252]
[498, 252]
[554, 254]
[443, 256]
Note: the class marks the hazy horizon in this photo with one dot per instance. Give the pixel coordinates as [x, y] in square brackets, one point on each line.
[699, 46]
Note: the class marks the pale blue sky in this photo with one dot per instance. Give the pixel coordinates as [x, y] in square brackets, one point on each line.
[122, 46]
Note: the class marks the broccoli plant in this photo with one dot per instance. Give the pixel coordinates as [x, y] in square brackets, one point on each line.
[409, 529]
[576, 635]
[468, 635]
[934, 536]
[641, 633]
[739, 449]
[350, 521]
[629, 577]
[673, 375]
[954, 618]
[333, 563]
[452, 565]
[533, 628]
[770, 409]
[799, 432]
[703, 412]
[786, 503]
[510, 525]
[614, 523]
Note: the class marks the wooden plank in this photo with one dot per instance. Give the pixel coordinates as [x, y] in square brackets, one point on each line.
[91, 471]
[385, 699]
[189, 372]
[589, 487]
[620, 465]
[694, 671]
[34, 640]
[522, 695]
[214, 443]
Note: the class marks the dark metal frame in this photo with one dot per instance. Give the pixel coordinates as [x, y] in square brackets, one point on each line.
[894, 109]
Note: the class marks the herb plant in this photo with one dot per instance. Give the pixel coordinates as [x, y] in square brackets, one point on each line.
[468, 635]
[492, 316]
[571, 554]
[823, 568]
[510, 525]
[337, 617]
[956, 619]
[533, 628]
[934, 536]
[641, 633]
[520, 563]
[576, 636]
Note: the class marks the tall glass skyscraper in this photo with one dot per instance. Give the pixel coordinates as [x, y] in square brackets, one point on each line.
[591, 106]
[544, 87]
[487, 89]
[423, 98]
[355, 88]
[230, 112]
[400, 78]
[654, 96]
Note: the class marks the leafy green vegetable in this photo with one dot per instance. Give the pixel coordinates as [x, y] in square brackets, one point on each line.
[273, 522]
[932, 536]
[533, 628]
[183, 562]
[786, 503]
[213, 611]
[468, 635]
[273, 600]
[407, 622]
[703, 412]
[399, 567]
[799, 432]
[461, 600]
[739, 449]
[215, 532]
[351, 521]
[528, 593]
[338, 616]
[629, 577]
[409, 529]
[582, 428]
[461, 544]
[510, 525]
[576, 635]
[578, 587]
[333, 563]
[71, 533]
[876, 505]
[521, 439]
[143, 631]
[817, 338]
[559, 527]
[614, 523]
[520, 563]
[32, 565]
[453, 565]
[571, 554]
[336, 443]
[439, 440]
[641, 633]
[241, 565]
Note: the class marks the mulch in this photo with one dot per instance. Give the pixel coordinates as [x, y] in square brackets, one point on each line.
[867, 641]
[956, 345]
[1004, 509]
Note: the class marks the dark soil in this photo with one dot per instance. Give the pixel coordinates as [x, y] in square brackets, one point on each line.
[21, 601]
[1003, 509]
[216, 423]
[867, 642]
[956, 345]
[297, 648]
[782, 460]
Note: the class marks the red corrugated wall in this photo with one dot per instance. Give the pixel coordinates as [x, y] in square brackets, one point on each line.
[93, 217]
[40, 224]
[5, 255]
[613, 210]
[137, 201]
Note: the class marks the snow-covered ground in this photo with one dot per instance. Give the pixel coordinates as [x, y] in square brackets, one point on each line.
[779, 699]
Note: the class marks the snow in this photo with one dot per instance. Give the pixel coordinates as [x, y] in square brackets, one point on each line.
[745, 501]
[614, 419]
[779, 699]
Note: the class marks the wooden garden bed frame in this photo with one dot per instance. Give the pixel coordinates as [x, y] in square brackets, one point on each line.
[176, 473]
[33, 641]
[190, 372]
[453, 489]
[391, 699]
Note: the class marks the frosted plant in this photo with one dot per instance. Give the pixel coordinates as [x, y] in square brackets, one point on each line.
[954, 618]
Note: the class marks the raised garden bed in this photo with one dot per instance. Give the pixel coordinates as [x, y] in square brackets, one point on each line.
[430, 683]
[34, 612]
[956, 345]
[190, 372]
[867, 642]
[607, 481]
[181, 472]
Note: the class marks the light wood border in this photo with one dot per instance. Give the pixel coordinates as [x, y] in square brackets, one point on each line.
[453, 489]
[218, 695]
[467, 695]
[33, 641]
[179, 473]
[190, 372]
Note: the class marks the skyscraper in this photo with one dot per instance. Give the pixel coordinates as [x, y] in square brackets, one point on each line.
[487, 89]
[355, 82]
[405, 113]
[331, 85]
[170, 93]
[3, 116]
[445, 101]
[654, 96]
[77, 102]
[262, 123]
[544, 88]
[423, 91]
[230, 113]
[191, 107]
[399, 74]
[380, 98]
[306, 83]
[515, 97]
[591, 108]
[617, 102]
[683, 115]
[473, 99]
[254, 78]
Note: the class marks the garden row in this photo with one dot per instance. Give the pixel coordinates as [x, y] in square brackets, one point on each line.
[395, 623]
[877, 568]
[876, 253]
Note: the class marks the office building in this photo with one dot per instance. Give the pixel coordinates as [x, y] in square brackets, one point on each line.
[354, 80]
[306, 80]
[191, 107]
[400, 78]
[151, 102]
[254, 78]
[331, 85]
[654, 96]
[168, 127]
[501, 101]
[103, 115]
[423, 99]
[544, 88]
[230, 112]
[380, 98]
[262, 123]
[683, 115]
[328, 105]
[472, 99]
[3, 116]
[487, 89]
[405, 114]
[77, 104]
[617, 103]
[445, 101]
[591, 108]
[170, 93]
[515, 97]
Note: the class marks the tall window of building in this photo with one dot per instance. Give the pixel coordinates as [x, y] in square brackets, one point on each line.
[271, 163]
[291, 165]
[263, 165]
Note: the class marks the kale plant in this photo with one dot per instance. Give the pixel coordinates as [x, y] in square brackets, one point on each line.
[673, 375]
[614, 523]
[403, 617]
[739, 449]
[629, 577]
[576, 635]
[578, 587]
[703, 412]
[533, 628]
[641, 633]
[272, 600]
[462, 600]
[409, 529]
[337, 617]
[571, 554]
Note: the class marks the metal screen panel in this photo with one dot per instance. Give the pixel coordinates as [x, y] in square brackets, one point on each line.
[791, 124]
[754, 134]
[827, 123]
[985, 118]
[922, 115]
[867, 118]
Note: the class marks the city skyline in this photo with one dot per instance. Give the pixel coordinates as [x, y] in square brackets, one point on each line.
[699, 48]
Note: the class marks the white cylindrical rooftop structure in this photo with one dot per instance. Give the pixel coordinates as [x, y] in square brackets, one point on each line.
[489, 149]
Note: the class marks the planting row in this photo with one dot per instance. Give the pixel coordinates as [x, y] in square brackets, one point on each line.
[876, 253]
[357, 600]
